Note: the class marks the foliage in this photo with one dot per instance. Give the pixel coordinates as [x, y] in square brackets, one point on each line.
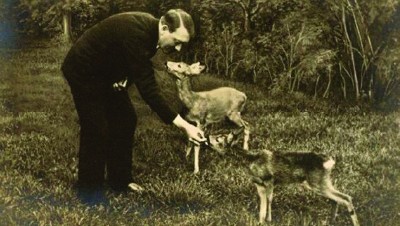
[332, 49]
[388, 67]
[44, 17]
[298, 59]
[360, 44]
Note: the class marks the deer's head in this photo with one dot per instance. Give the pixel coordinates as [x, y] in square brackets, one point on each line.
[221, 142]
[182, 70]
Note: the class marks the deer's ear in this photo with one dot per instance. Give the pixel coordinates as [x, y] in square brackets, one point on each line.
[194, 66]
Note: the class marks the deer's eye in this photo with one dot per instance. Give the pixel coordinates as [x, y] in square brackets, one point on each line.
[179, 65]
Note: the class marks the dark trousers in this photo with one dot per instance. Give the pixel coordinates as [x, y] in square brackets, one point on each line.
[107, 124]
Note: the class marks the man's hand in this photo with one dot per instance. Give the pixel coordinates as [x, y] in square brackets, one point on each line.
[121, 85]
[195, 134]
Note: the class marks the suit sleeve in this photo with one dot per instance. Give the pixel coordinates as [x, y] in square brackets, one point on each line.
[141, 72]
[150, 92]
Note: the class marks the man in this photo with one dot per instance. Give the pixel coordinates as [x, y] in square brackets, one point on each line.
[104, 61]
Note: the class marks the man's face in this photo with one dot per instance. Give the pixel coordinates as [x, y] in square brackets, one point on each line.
[172, 41]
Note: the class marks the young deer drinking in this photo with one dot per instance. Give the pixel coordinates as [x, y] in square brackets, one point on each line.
[208, 107]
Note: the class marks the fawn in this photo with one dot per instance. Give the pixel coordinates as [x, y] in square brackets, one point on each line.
[271, 168]
[207, 107]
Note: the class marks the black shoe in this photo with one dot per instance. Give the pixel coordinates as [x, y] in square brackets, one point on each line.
[119, 188]
[125, 189]
[92, 196]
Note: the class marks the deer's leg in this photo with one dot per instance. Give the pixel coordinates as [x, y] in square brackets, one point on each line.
[348, 204]
[197, 153]
[189, 147]
[236, 118]
[347, 198]
[271, 193]
[246, 137]
[334, 212]
[196, 158]
[265, 192]
[340, 198]
[262, 193]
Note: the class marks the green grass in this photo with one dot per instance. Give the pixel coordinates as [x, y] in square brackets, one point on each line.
[38, 156]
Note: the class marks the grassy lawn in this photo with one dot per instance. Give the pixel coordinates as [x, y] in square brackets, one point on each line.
[38, 156]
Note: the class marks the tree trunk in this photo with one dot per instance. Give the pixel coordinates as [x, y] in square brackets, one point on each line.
[67, 28]
[246, 14]
[66, 17]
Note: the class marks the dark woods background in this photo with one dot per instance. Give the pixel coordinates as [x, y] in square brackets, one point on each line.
[340, 50]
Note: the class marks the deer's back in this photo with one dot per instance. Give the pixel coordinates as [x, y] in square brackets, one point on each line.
[290, 167]
[226, 97]
[215, 105]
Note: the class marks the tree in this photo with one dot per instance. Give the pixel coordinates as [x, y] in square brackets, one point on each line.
[249, 9]
[358, 49]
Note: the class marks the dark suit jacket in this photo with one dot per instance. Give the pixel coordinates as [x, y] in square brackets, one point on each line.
[120, 47]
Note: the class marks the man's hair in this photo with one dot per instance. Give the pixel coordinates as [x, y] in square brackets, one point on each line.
[172, 20]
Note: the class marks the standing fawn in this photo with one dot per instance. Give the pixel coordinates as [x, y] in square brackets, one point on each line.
[296, 167]
[269, 169]
[207, 107]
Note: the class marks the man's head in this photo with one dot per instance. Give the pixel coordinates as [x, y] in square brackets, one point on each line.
[175, 28]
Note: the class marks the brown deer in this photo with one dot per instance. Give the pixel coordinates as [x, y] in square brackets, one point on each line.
[208, 107]
[271, 168]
